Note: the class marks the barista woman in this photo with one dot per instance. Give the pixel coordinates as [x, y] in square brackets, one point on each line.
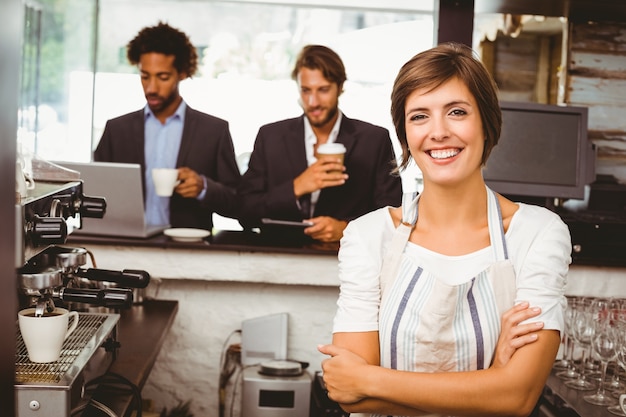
[469, 254]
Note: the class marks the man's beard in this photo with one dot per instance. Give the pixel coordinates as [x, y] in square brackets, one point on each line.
[165, 102]
[329, 116]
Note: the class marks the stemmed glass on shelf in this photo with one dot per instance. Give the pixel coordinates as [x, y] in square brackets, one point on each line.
[569, 343]
[582, 332]
[616, 384]
[604, 340]
[621, 352]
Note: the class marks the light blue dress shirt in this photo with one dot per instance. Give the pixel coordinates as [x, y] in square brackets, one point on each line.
[162, 142]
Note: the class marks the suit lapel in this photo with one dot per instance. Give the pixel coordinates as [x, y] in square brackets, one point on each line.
[186, 140]
[138, 130]
[346, 135]
[293, 143]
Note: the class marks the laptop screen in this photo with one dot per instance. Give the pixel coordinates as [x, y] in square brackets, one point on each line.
[121, 186]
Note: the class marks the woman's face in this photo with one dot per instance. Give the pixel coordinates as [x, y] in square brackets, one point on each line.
[444, 132]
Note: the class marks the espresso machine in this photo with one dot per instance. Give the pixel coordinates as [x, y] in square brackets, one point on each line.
[50, 274]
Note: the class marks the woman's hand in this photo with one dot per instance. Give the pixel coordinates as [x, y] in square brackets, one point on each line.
[341, 374]
[514, 335]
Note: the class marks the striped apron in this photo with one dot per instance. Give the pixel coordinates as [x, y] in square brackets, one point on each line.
[426, 325]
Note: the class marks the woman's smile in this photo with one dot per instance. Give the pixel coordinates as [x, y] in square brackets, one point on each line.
[444, 153]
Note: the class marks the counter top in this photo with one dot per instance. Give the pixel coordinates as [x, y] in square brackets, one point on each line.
[227, 257]
[235, 256]
[225, 240]
[568, 402]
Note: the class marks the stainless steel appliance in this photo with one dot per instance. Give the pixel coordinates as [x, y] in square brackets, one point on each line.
[276, 389]
[50, 274]
[55, 389]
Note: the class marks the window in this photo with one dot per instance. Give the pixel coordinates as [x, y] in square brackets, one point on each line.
[58, 41]
[246, 51]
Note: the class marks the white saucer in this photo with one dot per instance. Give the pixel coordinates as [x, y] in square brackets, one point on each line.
[186, 235]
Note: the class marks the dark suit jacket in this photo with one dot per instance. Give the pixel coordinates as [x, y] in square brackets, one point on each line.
[206, 147]
[279, 156]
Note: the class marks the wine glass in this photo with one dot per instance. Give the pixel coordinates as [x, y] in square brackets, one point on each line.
[621, 353]
[604, 341]
[566, 361]
[616, 384]
[570, 343]
[582, 331]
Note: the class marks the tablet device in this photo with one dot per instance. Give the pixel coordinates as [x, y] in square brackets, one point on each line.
[286, 222]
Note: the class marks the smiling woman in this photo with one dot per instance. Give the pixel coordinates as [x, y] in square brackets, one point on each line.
[425, 288]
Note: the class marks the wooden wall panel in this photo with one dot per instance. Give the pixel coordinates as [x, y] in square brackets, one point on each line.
[597, 80]
[604, 36]
[515, 70]
[525, 68]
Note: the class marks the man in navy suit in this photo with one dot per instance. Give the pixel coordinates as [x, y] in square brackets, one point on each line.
[285, 180]
[167, 133]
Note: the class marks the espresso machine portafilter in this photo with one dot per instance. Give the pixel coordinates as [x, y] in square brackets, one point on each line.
[56, 273]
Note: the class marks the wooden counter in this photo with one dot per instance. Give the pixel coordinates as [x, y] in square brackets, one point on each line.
[141, 332]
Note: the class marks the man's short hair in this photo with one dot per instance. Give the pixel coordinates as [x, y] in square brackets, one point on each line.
[321, 58]
[164, 39]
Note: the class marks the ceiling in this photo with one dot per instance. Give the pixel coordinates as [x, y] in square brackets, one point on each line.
[575, 10]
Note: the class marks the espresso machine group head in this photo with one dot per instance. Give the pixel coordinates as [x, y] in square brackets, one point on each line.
[46, 271]
[56, 273]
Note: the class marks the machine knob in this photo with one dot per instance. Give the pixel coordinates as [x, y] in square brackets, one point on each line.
[47, 230]
[93, 207]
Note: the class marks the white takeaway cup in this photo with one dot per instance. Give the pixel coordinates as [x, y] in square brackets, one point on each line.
[333, 150]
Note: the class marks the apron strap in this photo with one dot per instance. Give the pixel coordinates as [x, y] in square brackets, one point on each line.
[391, 261]
[496, 226]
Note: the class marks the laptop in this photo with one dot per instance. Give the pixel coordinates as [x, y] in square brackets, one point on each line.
[120, 185]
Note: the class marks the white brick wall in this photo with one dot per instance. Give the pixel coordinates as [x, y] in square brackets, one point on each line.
[188, 366]
[216, 291]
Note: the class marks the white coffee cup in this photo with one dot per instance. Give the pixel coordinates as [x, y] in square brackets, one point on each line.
[165, 180]
[44, 336]
[334, 149]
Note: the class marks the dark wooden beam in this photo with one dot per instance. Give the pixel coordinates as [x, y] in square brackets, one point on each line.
[575, 10]
[455, 21]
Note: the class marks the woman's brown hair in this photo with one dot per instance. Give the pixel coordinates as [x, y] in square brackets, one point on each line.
[432, 68]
